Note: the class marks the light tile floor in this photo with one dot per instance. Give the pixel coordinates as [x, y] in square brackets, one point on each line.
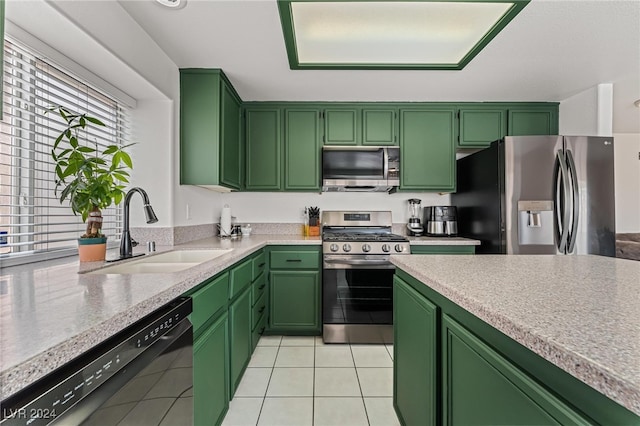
[302, 381]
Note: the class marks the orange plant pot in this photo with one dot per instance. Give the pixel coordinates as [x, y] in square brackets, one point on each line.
[92, 249]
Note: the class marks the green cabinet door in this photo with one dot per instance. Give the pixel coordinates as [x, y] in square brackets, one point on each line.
[379, 126]
[416, 249]
[210, 140]
[294, 302]
[415, 372]
[341, 126]
[210, 374]
[482, 387]
[427, 154]
[302, 150]
[479, 127]
[232, 153]
[239, 337]
[533, 121]
[263, 143]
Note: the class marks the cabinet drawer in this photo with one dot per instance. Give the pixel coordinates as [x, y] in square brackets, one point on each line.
[209, 300]
[258, 265]
[295, 260]
[258, 310]
[258, 288]
[258, 331]
[240, 278]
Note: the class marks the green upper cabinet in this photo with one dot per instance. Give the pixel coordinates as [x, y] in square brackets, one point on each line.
[232, 153]
[210, 132]
[379, 126]
[302, 149]
[427, 154]
[263, 142]
[533, 120]
[342, 126]
[479, 126]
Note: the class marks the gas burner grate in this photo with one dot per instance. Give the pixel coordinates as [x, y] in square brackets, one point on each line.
[341, 236]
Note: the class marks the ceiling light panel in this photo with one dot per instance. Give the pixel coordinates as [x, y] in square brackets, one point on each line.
[386, 34]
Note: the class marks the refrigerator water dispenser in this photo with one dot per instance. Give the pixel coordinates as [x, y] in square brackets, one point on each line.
[535, 222]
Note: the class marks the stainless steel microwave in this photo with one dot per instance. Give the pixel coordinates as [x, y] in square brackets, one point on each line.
[360, 168]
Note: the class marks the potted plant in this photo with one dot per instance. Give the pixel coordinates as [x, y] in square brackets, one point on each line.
[90, 177]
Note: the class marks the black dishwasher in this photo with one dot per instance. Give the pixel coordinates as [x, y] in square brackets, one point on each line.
[143, 375]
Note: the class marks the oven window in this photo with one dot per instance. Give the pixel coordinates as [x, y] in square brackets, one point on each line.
[350, 164]
[357, 296]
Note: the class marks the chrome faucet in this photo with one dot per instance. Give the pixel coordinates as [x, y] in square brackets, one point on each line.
[126, 245]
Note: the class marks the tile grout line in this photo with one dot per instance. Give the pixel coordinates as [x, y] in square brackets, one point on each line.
[355, 366]
[264, 397]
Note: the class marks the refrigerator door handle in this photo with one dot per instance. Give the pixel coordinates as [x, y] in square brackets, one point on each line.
[575, 203]
[561, 194]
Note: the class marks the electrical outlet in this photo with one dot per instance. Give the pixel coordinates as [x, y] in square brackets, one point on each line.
[188, 212]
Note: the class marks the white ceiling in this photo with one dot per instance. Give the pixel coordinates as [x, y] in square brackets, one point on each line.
[551, 51]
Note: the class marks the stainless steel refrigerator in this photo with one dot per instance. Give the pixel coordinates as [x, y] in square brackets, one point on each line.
[539, 195]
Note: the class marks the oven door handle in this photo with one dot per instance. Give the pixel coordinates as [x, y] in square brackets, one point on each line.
[353, 263]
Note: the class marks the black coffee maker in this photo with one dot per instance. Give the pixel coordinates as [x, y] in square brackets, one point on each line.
[441, 221]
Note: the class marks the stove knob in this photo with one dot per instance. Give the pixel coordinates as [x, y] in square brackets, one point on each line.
[346, 247]
[399, 248]
[386, 248]
[333, 247]
[366, 248]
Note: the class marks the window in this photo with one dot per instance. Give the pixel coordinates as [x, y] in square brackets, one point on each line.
[32, 220]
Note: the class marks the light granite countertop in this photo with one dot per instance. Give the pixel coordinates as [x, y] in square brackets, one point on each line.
[581, 313]
[51, 312]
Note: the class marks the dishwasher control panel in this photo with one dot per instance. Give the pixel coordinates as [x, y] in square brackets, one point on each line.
[47, 399]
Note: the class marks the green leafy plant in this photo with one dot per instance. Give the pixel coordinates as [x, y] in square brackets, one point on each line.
[90, 178]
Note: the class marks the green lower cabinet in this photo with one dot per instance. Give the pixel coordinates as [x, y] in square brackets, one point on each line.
[419, 249]
[240, 337]
[482, 387]
[415, 373]
[294, 302]
[427, 149]
[210, 374]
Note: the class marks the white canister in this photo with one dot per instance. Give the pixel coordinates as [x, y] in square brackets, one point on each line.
[225, 221]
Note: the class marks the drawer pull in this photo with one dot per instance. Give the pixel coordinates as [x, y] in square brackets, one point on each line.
[261, 310]
[294, 260]
[261, 265]
[261, 287]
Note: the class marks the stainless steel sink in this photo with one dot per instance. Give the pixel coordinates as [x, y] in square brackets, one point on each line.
[173, 261]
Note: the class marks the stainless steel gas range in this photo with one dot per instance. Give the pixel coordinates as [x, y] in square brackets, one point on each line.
[357, 276]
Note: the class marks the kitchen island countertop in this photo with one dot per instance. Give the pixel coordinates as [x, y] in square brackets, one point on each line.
[581, 313]
[51, 312]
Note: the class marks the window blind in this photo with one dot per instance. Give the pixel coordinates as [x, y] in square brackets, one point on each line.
[32, 220]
